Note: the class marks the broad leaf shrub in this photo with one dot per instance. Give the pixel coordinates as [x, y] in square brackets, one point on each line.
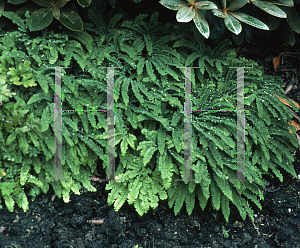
[149, 118]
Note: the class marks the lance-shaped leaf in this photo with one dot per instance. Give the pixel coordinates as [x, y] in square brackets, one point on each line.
[219, 13]
[249, 20]
[201, 23]
[185, 14]
[173, 4]
[206, 5]
[237, 5]
[293, 19]
[289, 3]
[233, 24]
[269, 8]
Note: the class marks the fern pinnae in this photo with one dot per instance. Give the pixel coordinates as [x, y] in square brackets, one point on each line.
[149, 44]
[158, 66]
[185, 43]
[165, 40]
[154, 19]
[275, 146]
[222, 182]
[144, 89]
[225, 207]
[215, 195]
[139, 45]
[150, 70]
[113, 21]
[129, 50]
[134, 190]
[208, 135]
[285, 163]
[216, 155]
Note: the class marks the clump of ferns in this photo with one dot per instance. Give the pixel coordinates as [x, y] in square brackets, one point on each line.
[145, 43]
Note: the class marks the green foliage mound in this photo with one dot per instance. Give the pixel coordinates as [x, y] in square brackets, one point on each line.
[149, 118]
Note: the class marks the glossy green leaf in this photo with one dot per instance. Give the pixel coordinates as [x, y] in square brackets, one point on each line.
[293, 19]
[70, 19]
[173, 4]
[61, 3]
[84, 3]
[233, 24]
[40, 19]
[56, 12]
[185, 14]
[269, 8]
[250, 20]
[288, 3]
[201, 24]
[206, 5]
[237, 4]
[273, 22]
[219, 13]
[287, 34]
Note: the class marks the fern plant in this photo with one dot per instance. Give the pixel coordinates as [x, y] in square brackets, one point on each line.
[149, 119]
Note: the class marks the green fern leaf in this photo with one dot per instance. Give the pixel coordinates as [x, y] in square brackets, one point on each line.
[92, 119]
[215, 195]
[140, 66]
[131, 138]
[134, 190]
[24, 146]
[11, 138]
[216, 154]
[9, 202]
[148, 155]
[84, 37]
[201, 198]
[34, 139]
[136, 92]
[175, 119]
[161, 138]
[117, 189]
[237, 201]
[165, 167]
[225, 207]
[38, 97]
[124, 146]
[70, 123]
[113, 21]
[191, 58]
[202, 176]
[149, 44]
[176, 134]
[179, 199]
[222, 183]
[150, 70]
[280, 107]
[144, 89]
[190, 202]
[138, 207]
[145, 203]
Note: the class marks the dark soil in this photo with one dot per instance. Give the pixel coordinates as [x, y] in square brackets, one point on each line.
[57, 224]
